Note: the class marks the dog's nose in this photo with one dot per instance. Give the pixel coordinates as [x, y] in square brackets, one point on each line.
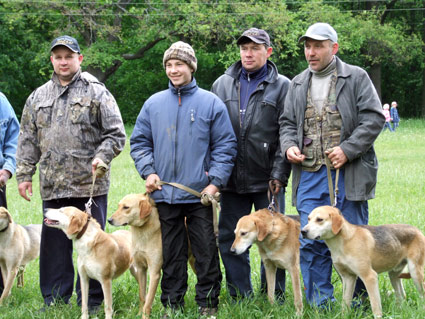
[110, 221]
[233, 250]
[304, 233]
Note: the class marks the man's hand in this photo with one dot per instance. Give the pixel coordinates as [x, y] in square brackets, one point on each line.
[98, 167]
[4, 177]
[23, 188]
[337, 157]
[294, 155]
[210, 189]
[275, 186]
[151, 183]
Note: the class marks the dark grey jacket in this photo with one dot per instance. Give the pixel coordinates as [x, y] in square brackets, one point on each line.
[259, 158]
[362, 121]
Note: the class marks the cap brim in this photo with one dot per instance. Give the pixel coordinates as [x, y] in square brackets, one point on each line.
[314, 37]
[244, 37]
[63, 45]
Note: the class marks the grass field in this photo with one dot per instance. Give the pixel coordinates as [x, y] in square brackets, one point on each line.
[399, 199]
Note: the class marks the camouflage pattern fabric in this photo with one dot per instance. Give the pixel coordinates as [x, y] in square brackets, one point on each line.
[63, 129]
[322, 131]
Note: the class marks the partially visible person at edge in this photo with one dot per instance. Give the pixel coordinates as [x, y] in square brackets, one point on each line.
[386, 112]
[254, 93]
[331, 111]
[69, 126]
[394, 115]
[9, 131]
[184, 135]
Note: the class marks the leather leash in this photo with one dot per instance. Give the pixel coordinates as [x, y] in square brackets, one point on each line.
[333, 195]
[206, 200]
[101, 170]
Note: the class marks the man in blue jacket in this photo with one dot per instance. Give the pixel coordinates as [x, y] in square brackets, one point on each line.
[332, 113]
[9, 132]
[184, 135]
[254, 93]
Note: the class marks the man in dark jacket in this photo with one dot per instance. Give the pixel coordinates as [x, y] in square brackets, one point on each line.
[332, 115]
[254, 93]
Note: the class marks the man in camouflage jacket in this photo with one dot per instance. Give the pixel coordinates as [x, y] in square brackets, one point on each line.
[69, 125]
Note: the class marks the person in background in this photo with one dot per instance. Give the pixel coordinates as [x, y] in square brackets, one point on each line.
[184, 135]
[69, 127]
[9, 132]
[332, 117]
[386, 112]
[394, 115]
[254, 93]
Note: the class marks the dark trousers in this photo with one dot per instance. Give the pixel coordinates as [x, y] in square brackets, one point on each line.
[56, 265]
[3, 203]
[200, 231]
[238, 269]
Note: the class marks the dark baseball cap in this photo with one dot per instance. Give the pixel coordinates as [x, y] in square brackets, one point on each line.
[255, 35]
[320, 31]
[67, 41]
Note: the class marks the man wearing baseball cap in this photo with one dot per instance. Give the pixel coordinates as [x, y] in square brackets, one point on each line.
[69, 126]
[254, 93]
[332, 117]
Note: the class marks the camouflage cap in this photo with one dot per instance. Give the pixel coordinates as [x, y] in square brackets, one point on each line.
[255, 35]
[181, 51]
[67, 41]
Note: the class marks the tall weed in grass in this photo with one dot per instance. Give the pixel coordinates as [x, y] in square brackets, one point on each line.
[399, 199]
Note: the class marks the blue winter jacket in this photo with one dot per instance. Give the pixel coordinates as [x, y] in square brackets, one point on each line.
[9, 132]
[185, 136]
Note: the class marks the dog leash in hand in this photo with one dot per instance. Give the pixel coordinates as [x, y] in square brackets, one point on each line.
[101, 170]
[206, 200]
[333, 195]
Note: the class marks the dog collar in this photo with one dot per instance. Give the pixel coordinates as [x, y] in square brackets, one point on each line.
[4, 229]
[81, 233]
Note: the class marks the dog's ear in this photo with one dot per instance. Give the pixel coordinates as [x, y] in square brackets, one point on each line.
[76, 223]
[145, 208]
[9, 217]
[262, 229]
[337, 220]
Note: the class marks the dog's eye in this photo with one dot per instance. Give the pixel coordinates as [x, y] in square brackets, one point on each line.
[126, 207]
[243, 233]
[319, 220]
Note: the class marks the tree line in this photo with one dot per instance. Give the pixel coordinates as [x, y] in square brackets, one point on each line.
[123, 42]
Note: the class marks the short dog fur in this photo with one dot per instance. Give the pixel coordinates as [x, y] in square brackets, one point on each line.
[366, 251]
[101, 256]
[18, 246]
[276, 236]
[140, 212]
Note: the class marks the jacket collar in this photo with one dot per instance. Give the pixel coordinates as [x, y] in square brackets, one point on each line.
[186, 89]
[235, 70]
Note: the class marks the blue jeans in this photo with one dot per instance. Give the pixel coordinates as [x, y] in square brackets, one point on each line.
[315, 257]
[238, 269]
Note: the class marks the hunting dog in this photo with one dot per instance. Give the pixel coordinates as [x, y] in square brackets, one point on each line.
[18, 246]
[101, 256]
[140, 212]
[365, 251]
[276, 236]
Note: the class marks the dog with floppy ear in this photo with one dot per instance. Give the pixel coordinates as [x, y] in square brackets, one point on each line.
[101, 256]
[140, 212]
[18, 246]
[276, 236]
[365, 251]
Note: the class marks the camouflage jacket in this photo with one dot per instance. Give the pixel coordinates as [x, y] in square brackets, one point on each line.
[63, 129]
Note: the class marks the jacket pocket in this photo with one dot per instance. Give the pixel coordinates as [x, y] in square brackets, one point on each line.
[44, 114]
[83, 110]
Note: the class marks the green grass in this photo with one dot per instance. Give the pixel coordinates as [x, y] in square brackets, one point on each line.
[399, 199]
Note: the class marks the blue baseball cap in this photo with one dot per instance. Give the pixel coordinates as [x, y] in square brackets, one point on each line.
[67, 41]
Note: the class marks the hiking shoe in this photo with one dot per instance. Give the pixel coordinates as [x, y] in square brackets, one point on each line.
[207, 312]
